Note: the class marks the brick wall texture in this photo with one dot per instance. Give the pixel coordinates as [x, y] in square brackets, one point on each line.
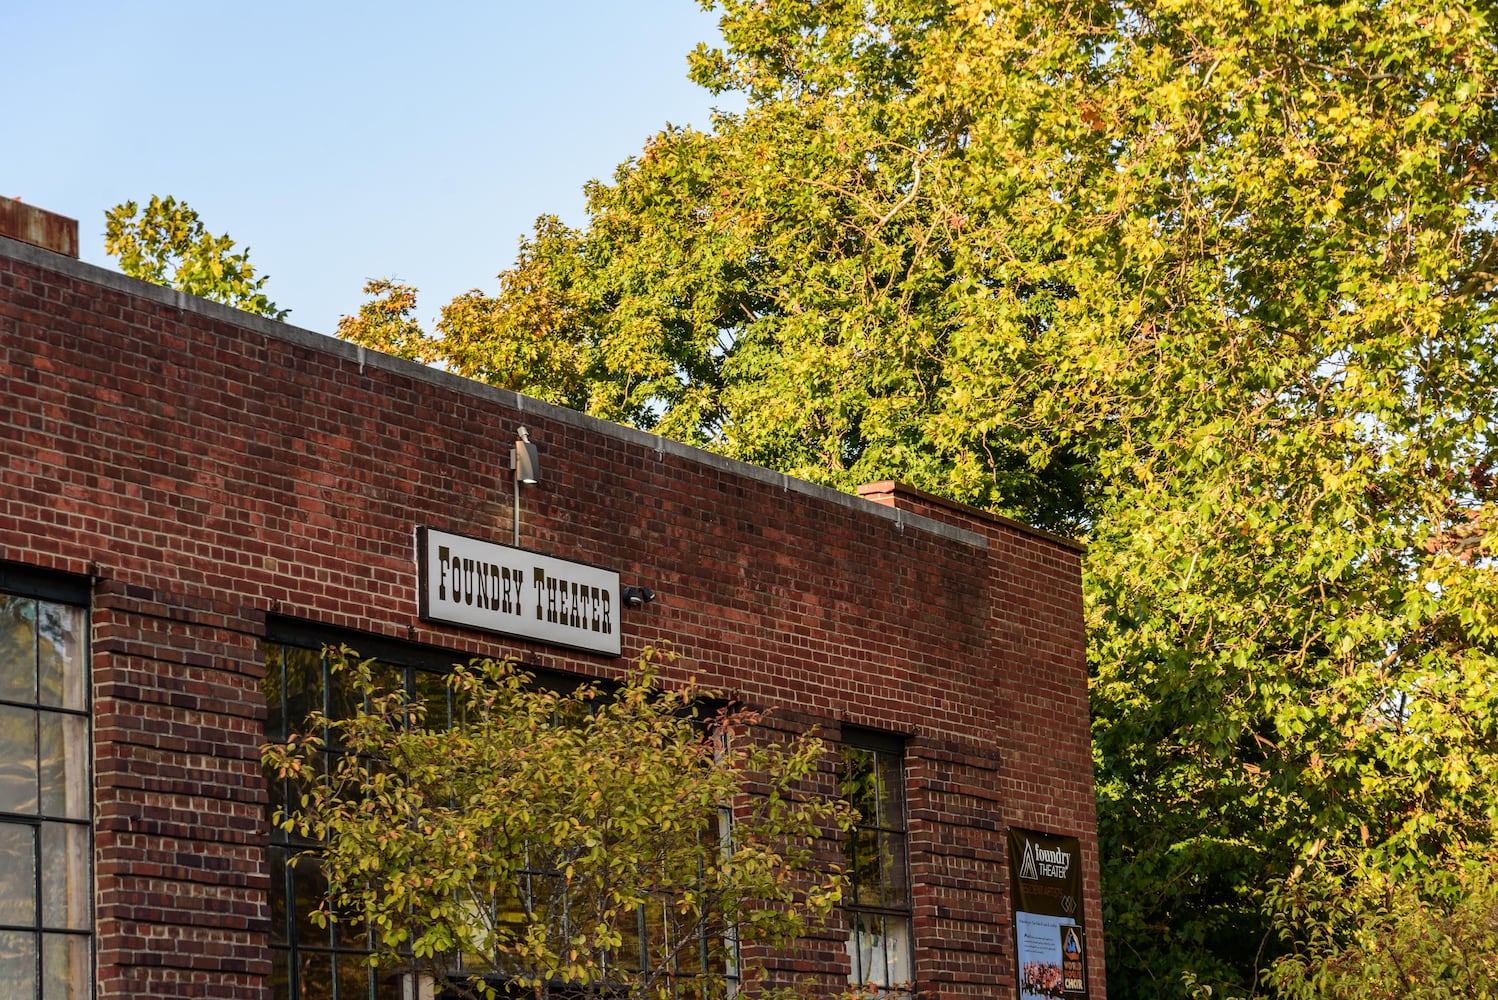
[207, 469]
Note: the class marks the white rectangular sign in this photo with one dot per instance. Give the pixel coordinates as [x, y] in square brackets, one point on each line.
[507, 590]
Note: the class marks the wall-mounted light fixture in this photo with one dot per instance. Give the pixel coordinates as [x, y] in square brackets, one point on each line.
[636, 597]
[527, 469]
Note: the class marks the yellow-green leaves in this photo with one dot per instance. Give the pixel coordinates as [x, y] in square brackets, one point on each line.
[1208, 282]
[387, 322]
[167, 244]
[533, 838]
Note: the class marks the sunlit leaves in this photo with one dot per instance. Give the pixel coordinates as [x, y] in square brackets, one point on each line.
[534, 839]
[387, 322]
[1232, 262]
[167, 244]
[1208, 282]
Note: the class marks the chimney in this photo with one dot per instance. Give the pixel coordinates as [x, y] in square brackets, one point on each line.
[38, 227]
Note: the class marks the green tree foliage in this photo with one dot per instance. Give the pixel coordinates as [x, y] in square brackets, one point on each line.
[523, 842]
[1207, 282]
[387, 322]
[1409, 945]
[167, 244]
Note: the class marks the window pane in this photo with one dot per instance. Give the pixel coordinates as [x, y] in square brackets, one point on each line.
[280, 973]
[65, 876]
[65, 967]
[892, 867]
[387, 679]
[353, 977]
[856, 784]
[863, 866]
[308, 890]
[897, 952]
[64, 765]
[62, 641]
[275, 801]
[431, 689]
[891, 792]
[507, 908]
[315, 976]
[627, 955]
[18, 964]
[657, 942]
[17, 759]
[344, 698]
[17, 648]
[692, 957]
[274, 687]
[866, 949]
[278, 896]
[350, 932]
[391, 985]
[303, 684]
[17, 875]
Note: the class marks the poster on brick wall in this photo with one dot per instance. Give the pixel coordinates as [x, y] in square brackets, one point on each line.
[1050, 939]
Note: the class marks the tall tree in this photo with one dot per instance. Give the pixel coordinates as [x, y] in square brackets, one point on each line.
[166, 243]
[1208, 282]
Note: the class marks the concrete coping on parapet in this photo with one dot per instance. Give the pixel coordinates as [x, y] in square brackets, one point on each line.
[365, 358]
[895, 490]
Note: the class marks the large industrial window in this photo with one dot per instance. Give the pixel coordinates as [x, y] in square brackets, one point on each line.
[332, 963]
[872, 778]
[46, 840]
[310, 962]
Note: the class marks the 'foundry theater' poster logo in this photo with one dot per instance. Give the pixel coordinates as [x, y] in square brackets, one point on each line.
[1043, 863]
[1051, 941]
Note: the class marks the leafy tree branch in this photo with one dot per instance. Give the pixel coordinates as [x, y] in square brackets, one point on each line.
[166, 243]
[622, 841]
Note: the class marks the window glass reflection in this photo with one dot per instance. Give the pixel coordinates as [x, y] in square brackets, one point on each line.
[45, 760]
[17, 874]
[18, 963]
[17, 759]
[65, 967]
[66, 882]
[17, 648]
[62, 642]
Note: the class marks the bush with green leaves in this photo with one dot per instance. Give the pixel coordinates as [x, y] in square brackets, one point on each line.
[531, 841]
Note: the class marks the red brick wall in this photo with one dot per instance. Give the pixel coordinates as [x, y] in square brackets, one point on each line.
[208, 468]
[1042, 773]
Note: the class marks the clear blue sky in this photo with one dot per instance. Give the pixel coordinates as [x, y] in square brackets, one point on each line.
[342, 141]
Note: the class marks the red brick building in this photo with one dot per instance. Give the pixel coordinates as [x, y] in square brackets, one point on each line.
[190, 494]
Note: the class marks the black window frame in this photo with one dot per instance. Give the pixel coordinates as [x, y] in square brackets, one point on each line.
[411, 659]
[857, 908]
[338, 953]
[26, 583]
